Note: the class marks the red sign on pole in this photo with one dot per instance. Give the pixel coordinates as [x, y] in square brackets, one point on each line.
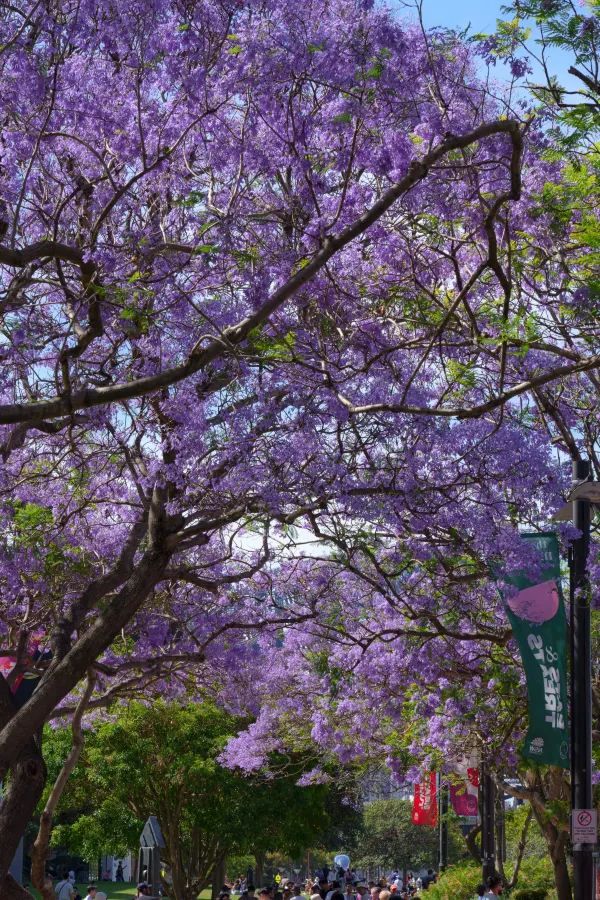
[465, 797]
[425, 802]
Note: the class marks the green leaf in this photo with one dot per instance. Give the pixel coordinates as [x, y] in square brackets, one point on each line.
[375, 71]
[135, 277]
[251, 255]
[236, 49]
[274, 349]
[205, 248]
[192, 199]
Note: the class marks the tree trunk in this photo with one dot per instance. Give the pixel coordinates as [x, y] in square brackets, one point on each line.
[259, 869]
[473, 845]
[540, 791]
[556, 841]
[521, 849]
[562, 878]
[173, 855]
[23, 792]
[12, 890]
[218, 877]
[178, 883]
[19, 753]
[39, 854]
[553, 787]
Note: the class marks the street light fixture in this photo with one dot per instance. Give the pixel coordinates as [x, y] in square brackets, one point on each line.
[584, 494]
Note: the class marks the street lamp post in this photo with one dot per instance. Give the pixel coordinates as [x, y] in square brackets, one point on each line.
[488, 841]
[583, 496]
[581, 684]
[443, 833]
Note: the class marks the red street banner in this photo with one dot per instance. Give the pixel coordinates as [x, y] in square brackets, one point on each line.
[425, 802]
[464, 797]
[26, 682]
[7, 664]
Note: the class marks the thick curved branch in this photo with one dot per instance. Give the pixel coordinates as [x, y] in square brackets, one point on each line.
[235, 335]
[473, 412]
[61, 678]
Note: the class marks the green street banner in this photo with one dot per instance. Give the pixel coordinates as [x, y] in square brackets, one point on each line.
[537, 616]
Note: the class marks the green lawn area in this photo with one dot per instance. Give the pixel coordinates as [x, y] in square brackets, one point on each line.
[116, 891]
[113, 890]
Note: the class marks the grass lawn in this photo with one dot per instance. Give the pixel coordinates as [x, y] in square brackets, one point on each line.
[116, 891]
[113, 890]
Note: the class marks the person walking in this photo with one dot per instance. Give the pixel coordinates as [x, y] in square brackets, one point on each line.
[335, 887]
[64, 888]
[428, 879]
[494, 887]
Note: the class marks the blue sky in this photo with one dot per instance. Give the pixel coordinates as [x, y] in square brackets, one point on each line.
[481, 15]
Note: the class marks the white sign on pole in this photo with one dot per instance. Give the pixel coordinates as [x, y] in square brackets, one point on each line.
[584, 826]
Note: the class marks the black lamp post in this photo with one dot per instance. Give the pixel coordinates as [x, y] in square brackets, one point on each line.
[443, 818]
[488, 837]
[583, 496]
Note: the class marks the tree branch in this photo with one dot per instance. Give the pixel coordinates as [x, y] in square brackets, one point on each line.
[233, 336]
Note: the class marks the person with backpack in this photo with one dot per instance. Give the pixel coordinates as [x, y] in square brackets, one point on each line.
[64, 888]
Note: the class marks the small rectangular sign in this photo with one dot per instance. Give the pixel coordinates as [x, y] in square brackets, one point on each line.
[584, 826]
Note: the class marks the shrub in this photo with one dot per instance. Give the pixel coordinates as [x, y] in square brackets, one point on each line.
[536, 874]
[457, 883]
[460, 882]
[530, 894]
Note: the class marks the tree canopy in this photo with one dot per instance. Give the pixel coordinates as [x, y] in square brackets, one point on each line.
[162, 761]
[276, 275]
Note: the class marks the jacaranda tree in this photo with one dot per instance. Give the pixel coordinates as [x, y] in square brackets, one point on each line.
[262, 264]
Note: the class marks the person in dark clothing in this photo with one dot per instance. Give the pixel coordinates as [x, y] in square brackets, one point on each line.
[428, 879]
[494, 887]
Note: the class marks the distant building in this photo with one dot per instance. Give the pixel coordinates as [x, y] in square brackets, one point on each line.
[379, 784]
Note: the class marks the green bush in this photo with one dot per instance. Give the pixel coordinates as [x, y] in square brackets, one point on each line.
[536, 880]
[536, 874]
[530, 894]
[457, 883]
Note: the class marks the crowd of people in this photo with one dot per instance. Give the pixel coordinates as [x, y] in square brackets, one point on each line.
[346, 886]
[66, 889]
[343, 886]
